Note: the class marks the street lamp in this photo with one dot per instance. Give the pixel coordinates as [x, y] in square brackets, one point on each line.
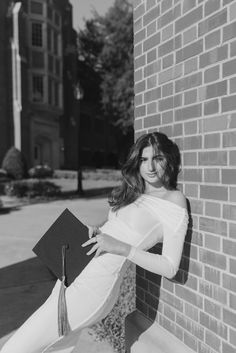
[79, 94]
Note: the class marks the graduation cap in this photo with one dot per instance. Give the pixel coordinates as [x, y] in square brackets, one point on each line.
[63, 240]
[61, 251]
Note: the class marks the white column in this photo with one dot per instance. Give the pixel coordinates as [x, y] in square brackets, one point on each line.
[16, 77]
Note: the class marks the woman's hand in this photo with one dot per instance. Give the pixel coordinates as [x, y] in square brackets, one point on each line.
[93, 231]
[105, 243]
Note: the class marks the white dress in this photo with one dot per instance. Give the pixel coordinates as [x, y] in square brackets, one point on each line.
[93, 293]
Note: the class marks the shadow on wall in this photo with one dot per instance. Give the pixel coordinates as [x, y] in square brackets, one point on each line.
[23, 288]
[137, 323]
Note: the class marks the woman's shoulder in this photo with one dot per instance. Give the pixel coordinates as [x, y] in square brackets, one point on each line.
[177, 197]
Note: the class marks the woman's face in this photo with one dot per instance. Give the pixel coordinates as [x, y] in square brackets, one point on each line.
[152, 166]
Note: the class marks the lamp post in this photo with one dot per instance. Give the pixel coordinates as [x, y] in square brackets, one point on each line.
[79, 93]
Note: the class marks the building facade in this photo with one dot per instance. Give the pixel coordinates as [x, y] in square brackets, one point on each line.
[41, 53]
[185, 74]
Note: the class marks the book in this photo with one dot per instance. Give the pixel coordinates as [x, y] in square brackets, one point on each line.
[60, 247]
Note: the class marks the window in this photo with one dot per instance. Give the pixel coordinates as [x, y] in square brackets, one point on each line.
[55, 39]
[37, 88]
[50, 91]
[50, 13]
[37, 34]
[50, 63]
[36, 8]
[57, 19]
[56, 94]
[58, 67]
[49, 38]
[37, 60]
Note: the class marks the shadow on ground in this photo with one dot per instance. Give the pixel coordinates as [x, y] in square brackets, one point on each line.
[23, 288]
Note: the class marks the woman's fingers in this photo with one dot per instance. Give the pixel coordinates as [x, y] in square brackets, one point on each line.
[90, 241]
[94, 248]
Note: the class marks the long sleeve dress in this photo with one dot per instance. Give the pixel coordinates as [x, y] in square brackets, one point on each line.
[93, 293]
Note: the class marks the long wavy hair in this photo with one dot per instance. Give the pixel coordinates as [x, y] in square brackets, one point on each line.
[133, 185]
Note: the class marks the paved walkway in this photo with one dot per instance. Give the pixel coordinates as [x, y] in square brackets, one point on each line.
[25, 283]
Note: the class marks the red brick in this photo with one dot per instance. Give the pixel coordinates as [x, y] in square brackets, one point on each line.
[139, 36]
[152, 68]
[169, 46]
[226, 348]
[139, 11]
[140, 111]
[229, 32]
[188, 82]
[217, 123]
[211, 175]
[190, 35]
[213, 341]
[232, 85]
[213, 56]
[212, 275]
[138, 25]
[232, 337]
[167, 32]
[232, 194]
[212, 242]
[232, 301]
[229, 212]
[229, 282]
[189, 296]
[188, 112]
[152, 108]
[151, 42]
[190, 97]
[138, 100]
[190, 127]
[191, 190]
[151, 28]
[212, 308]
[169, 16]
[178, 130]
[212, 140]
[190, 341]
[140, 61]
[141, 306]
[212, 291]
[202, 348]
[213, 226]
[170, 74]
[191, 311]
[138, 75]
[167, 89]
[212, 22]
[150, 3]
[138, 124]
[229, 176]
[232, 263]
[152, 82]
[167, 117]
[214, 192]
[228, 103]
[232, 230]
[151, 56]
[190, 65]
[229, 68]
[140, 87]
[189, 19]
[152, 15]
[151, 95]
[192, 175]
[168, 61]
[213, 259]
[229, 317]
[212, 74]
[211, 107]
[212, 209]
[216, 89]
[166, 5]
[233, 48]
[172, 300]
[211, 6]
[229, 139]
[190, 50]
[190, 326]
[152, 120]
[168, 130]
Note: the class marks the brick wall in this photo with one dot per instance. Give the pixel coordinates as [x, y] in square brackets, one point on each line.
[185, 86]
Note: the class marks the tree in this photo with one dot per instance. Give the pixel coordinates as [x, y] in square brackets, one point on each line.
[106, 60]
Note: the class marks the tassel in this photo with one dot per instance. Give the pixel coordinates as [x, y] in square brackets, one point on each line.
[63, 323]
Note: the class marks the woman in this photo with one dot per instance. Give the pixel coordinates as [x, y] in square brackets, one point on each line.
[145, 209]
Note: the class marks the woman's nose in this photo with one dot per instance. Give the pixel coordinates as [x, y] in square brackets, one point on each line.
[151, 165]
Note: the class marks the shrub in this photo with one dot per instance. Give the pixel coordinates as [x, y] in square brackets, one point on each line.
[14, 164]
[31, 188]
[41, 171]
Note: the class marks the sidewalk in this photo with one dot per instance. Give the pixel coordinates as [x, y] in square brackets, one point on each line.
[25, 283]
